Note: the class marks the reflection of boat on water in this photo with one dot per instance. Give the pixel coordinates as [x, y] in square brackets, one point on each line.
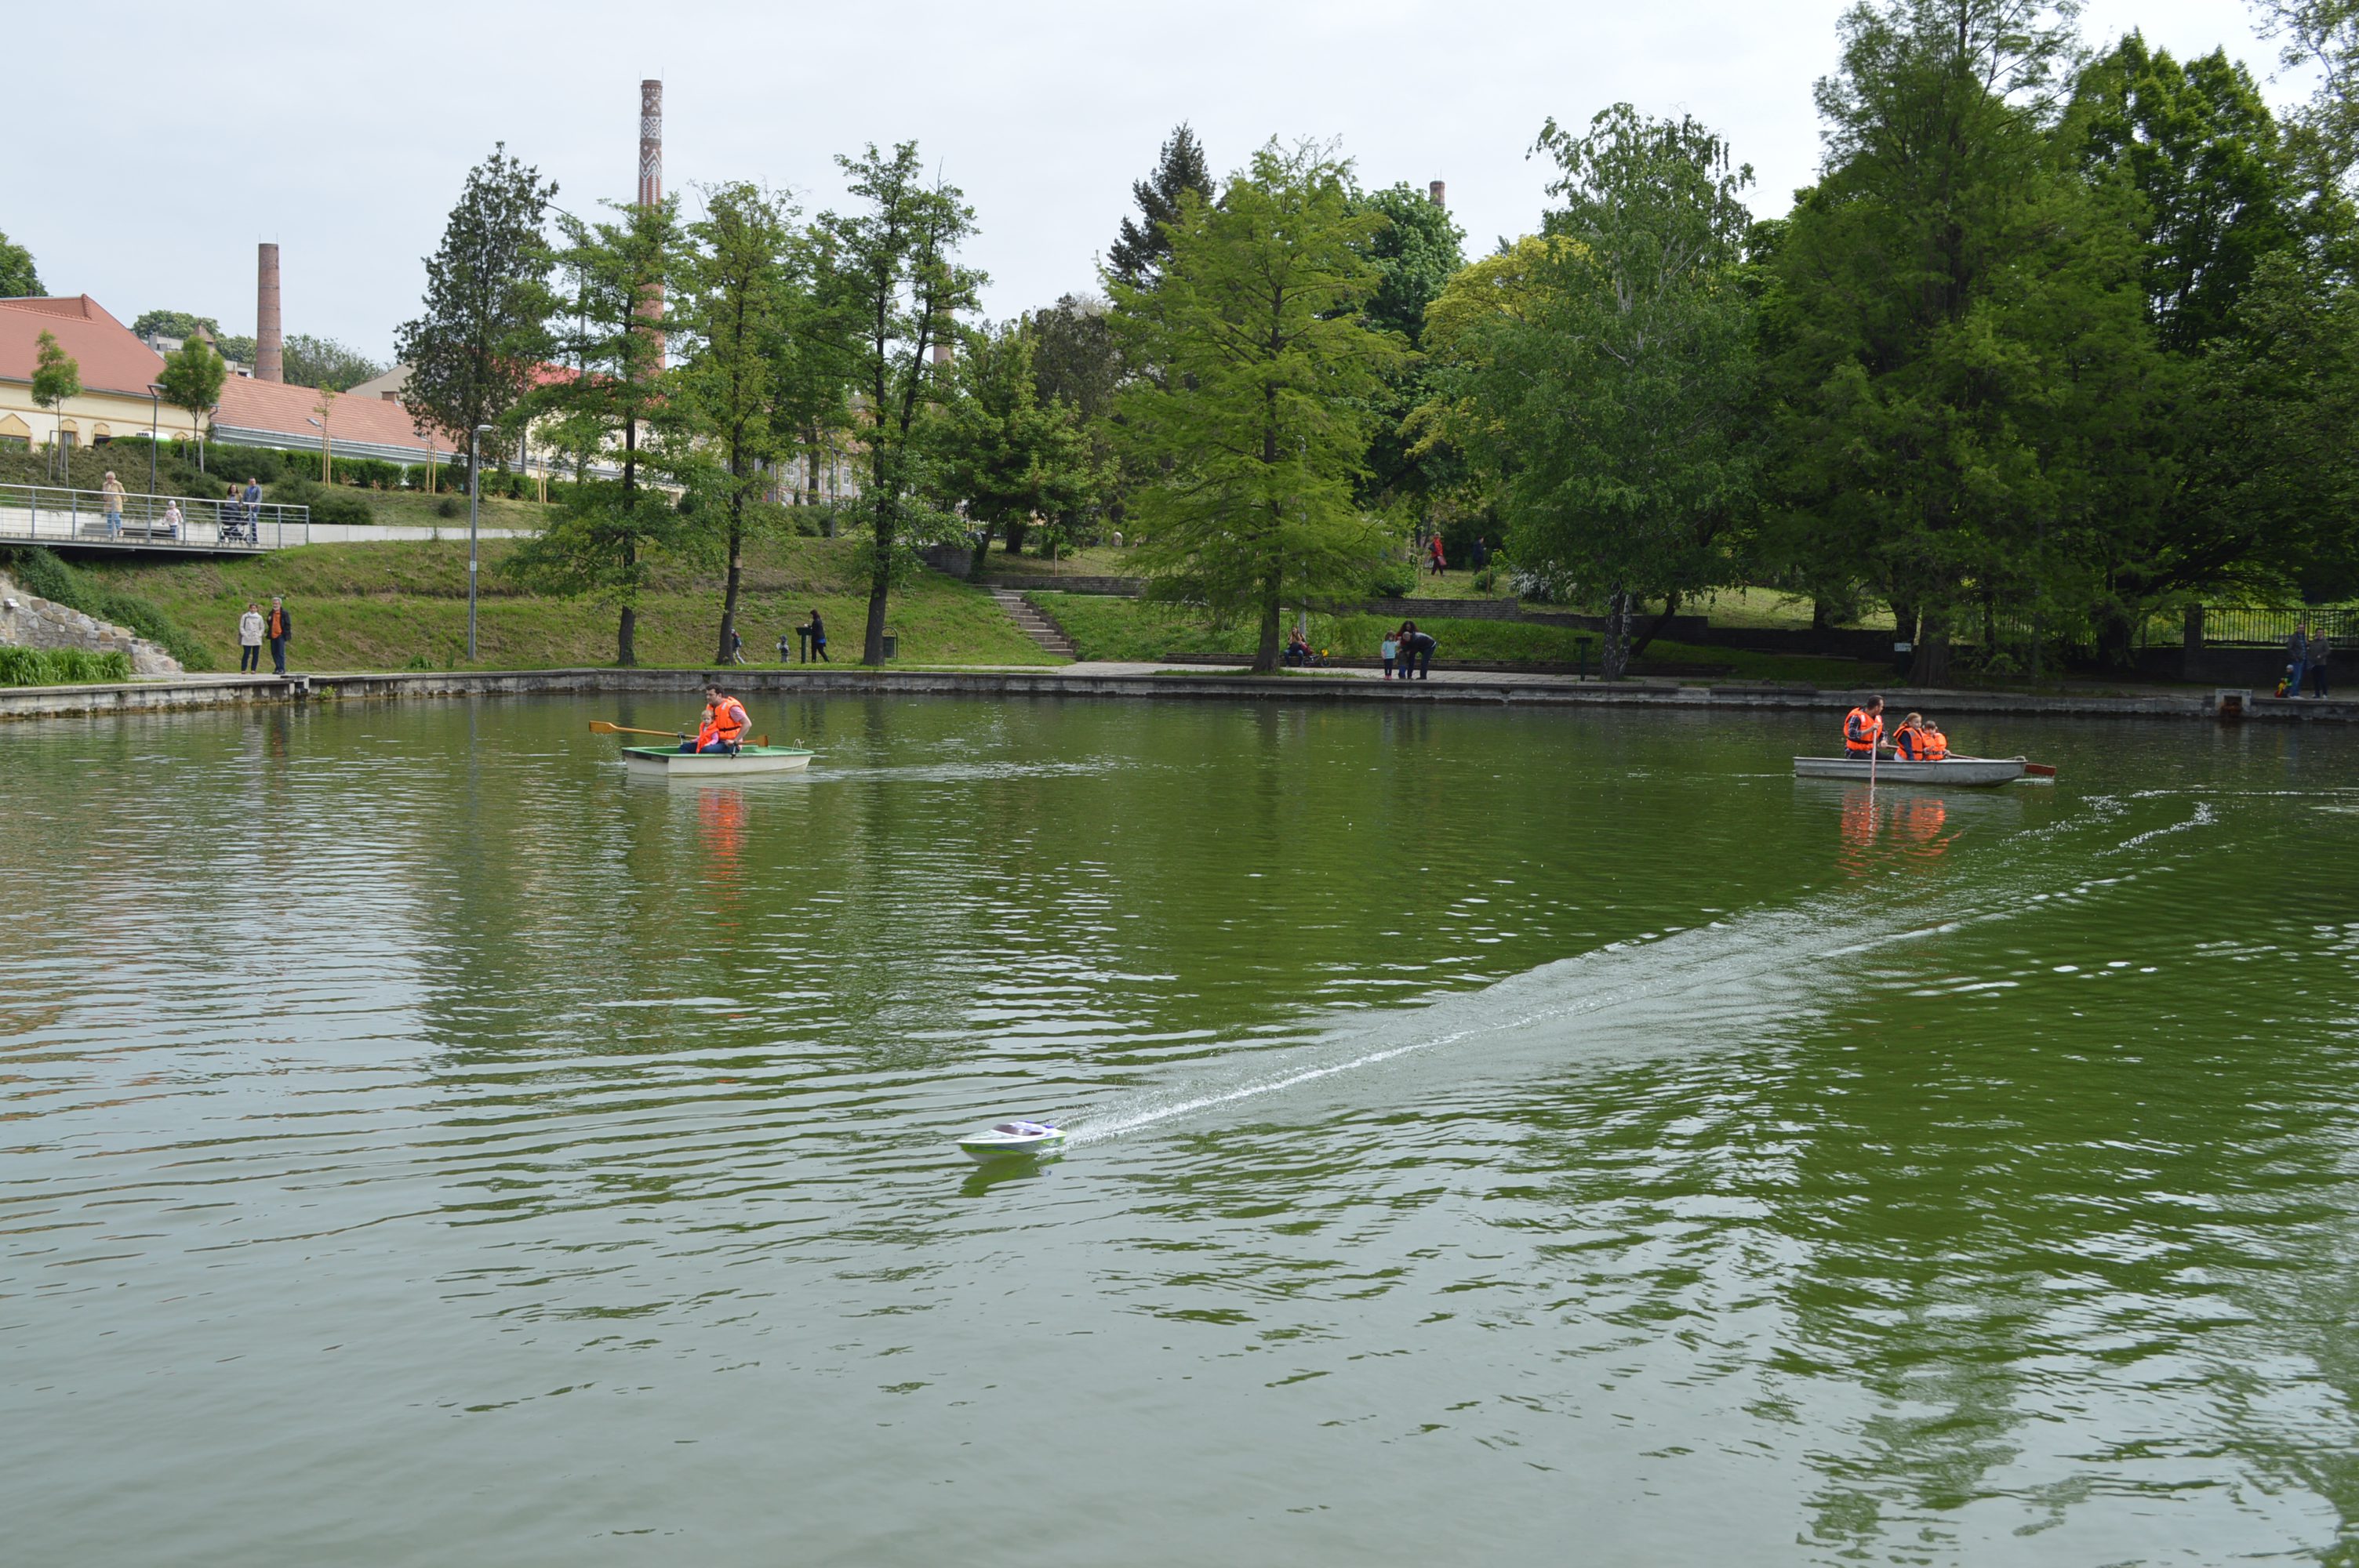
[1880, 826]
[1972, 772]
[666, 762]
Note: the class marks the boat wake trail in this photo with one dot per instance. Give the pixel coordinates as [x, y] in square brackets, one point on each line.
[1734, 982]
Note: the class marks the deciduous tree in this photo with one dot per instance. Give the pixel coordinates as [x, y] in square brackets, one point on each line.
[892, 269]
[475, 351]
[1007, 455]
[57, 376]
[1608, 400]
[191, 379]
[617, 409]
[19, 278]
[1255, 439]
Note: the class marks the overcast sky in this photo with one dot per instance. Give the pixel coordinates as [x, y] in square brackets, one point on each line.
[182, 134]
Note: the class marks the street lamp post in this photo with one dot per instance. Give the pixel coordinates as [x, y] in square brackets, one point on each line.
[154, 391]
[324, 447]
[474, 492]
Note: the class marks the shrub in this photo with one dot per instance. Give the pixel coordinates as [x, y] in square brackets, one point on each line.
[62, 666]
[449, 507]
[45, 576]
[1485, 580]
[1392, 580]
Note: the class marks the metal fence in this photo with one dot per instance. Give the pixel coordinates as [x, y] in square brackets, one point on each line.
[2248, 627]
[50, 514]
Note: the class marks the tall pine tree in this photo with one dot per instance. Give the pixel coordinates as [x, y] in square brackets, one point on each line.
[1140, 250]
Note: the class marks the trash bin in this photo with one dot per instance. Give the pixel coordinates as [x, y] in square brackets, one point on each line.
[892, 644]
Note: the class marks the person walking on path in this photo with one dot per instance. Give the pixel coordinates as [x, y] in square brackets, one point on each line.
[109, 489]
[819, 637]
[173, 519]
[2297, 659]
[736, 647]
[2320, 645]
[278, 627]
[249, 638]
[1441, 563]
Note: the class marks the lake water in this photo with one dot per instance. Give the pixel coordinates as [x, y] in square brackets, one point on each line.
[1499, 1137]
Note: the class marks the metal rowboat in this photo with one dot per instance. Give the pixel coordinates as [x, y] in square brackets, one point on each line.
[671, 762]
[1949, 772]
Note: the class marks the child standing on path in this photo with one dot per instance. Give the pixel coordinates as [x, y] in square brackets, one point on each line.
[249, 638]
[1391, 651]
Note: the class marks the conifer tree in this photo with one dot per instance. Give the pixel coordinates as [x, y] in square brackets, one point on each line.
[1139, 250]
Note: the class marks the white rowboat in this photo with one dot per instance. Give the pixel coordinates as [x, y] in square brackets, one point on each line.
[672, 762]
[1008, 1139]
[1949, 772]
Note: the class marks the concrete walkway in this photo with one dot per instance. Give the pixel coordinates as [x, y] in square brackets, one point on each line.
[1125, 680]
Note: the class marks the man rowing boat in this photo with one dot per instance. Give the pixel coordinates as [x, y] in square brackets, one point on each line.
[724, 725]
[1863, 729]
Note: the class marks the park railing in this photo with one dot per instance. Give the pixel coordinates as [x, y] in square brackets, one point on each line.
[2247, 626]
[52, 514]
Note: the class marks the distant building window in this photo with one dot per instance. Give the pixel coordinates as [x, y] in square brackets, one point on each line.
[100, 435]
[15, 443]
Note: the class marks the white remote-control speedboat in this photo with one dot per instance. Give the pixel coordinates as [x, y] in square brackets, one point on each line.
[1003, 1139]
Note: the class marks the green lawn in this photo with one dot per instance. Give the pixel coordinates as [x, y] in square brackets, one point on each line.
[394, 606]
[1107, 628]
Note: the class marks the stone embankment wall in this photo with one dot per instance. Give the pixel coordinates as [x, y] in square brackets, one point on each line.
[27, 621]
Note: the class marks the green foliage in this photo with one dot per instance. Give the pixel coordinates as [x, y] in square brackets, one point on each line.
[1144, 243]
[1415, 251]
[325, 362]
[42, 574]
[62, 666]
[328, 504]
[174, 324]
[617, 408]
[57, 375]
[1007, 455]
[1260, 425]
[472, 350]
[1611, 405]
[191, 379]
[1392, 578]
[890, 272]
[19, 278]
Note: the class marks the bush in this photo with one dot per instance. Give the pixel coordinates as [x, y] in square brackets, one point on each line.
[1392, 580]
[45, 576]
[449, 507]
[62, 666]
[1486, 580]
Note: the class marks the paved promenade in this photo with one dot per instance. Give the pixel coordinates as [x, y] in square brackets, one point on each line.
[1166, 682]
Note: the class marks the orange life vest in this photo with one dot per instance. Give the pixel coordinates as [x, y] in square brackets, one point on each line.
[1931, 745]
[725, 720]
[1861, 733]
[1909, 741]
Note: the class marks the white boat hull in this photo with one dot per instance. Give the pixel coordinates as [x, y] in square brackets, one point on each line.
[655, 760]
[993, 1144]
[1949, 772]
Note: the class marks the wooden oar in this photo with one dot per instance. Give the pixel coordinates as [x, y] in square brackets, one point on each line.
[2034, 770]
[601, 727]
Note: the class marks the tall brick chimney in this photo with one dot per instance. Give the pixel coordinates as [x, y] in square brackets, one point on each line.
[269, 362]
[1438, 194]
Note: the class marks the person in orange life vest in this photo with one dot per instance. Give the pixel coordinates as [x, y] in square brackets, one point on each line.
[1907, 739]
[1863, 729]
[1931, 744]
[724, 725]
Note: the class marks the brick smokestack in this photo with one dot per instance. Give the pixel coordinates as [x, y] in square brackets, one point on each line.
[1438, 194]
[651, 186]
[269, 364]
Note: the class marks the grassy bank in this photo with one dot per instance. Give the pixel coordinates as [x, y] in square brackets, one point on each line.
[1108, 628]
[403, 606]
[62, 666]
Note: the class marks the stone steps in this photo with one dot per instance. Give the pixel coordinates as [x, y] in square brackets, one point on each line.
[1035, 625]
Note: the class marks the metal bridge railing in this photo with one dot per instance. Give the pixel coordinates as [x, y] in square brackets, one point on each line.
[52, 514]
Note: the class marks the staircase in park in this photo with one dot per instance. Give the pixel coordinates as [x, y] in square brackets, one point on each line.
[1036, 626]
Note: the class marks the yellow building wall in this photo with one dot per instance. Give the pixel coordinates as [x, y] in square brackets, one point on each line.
[121, 414]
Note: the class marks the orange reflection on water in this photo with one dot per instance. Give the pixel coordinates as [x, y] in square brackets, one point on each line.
[1881, 826]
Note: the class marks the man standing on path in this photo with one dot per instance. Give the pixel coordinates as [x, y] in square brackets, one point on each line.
[109, 489]
[2320, 645]
[252, 510]
[279, 627]
[249, 638]
[818, 637]
[2297, 659]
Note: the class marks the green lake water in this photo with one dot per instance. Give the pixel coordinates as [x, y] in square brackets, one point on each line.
[1499, 1137]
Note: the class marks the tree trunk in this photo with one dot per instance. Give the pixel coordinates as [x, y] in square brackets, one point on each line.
[625, 651]
[981, 561]
[1265, 655]
[1930, 665]
[1670, 608]
[880, 582]
[624, 654]
[1613, 660]
[1016, 527]
[736, 573]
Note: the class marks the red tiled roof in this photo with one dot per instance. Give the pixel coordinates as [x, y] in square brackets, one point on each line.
[110, 358]
[284, 410]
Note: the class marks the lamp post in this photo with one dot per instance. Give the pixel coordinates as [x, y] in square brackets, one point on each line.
[474, 492]
[155, 392]
[324, 447]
